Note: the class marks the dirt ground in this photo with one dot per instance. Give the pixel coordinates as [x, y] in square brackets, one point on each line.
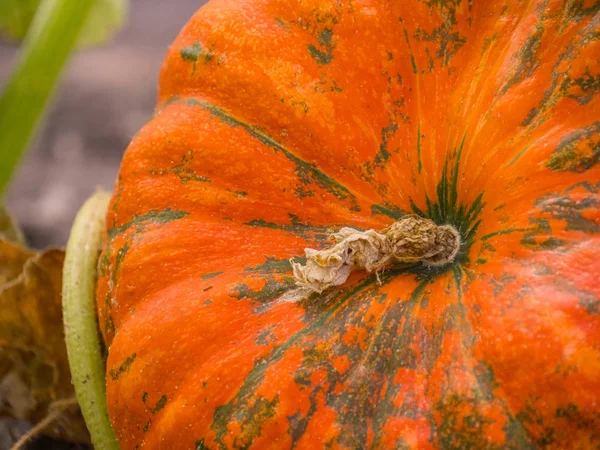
[106, 95]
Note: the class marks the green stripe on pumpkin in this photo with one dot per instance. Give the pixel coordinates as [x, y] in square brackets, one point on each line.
[306, 172]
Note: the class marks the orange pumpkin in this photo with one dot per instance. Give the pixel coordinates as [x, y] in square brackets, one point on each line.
[280, 122]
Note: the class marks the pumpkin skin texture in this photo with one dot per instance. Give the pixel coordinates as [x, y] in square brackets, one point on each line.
[280, 122]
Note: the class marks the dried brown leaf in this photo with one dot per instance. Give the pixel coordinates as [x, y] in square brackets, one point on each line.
[34, 370]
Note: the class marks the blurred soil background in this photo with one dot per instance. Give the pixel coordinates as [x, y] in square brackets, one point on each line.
[106, 95]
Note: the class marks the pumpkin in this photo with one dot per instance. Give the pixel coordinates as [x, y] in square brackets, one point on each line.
[279, 123]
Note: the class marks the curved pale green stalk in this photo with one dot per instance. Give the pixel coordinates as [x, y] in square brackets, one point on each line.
[50, 40]
[81, 326]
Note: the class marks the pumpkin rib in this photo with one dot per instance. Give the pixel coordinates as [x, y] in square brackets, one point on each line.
[546, 348]
[558, 48]
[484, 398]
[139, 329]
[209, 173]
[143, 261]
[245, 111]
[264, 138]
[533, 170]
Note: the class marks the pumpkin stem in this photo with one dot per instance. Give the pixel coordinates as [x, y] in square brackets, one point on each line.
[411, 239]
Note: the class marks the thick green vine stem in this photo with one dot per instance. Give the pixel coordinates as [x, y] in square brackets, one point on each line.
[48, 44]
[81, 327]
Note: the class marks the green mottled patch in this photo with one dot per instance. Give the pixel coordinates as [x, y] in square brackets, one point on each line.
[577, 10]
[160, 404]
[529, 414]
[567, 81]
[266, 336]
[581, 89]
[298, 422]
[272, 264]
[590, 303]
[461, 424]
[577, 152]
[530, 417]
[320, 56]
[123, 368]
[152, 217]
[499, 283]
[388, 210]
[446, 36]
[526, 61]
[301, 105]
[272, 289]
[295, 227]
[196, 52]
[252, 423]
[519, 437]
[571, 211]
[324, 55]
[564, 209]
[586, 299]
[383, 155]
[210, 275]
[110, 300]
[240, 408]
[585, 420]
[540, 228]
[430, 62]
[537, 243]
[326, 37]
[302, 192]
[282, 24]
[182, 170]
[146, 427]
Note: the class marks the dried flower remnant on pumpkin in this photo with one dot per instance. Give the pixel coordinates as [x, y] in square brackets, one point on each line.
[411, 239]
